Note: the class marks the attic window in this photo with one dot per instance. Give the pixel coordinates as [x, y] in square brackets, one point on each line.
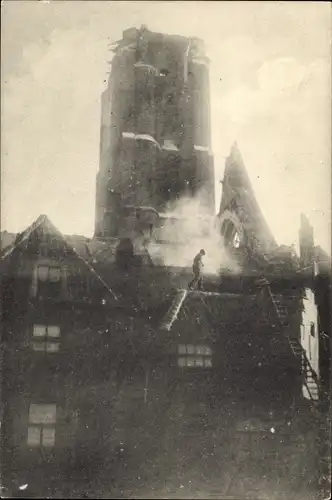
[194, 356]
[47, 282]
[46, 338]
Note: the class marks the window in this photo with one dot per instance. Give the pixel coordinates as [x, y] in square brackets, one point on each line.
[78, 285]
[236, 240]
[47, 273]
[312, 329]
[47, 282]
[46, 338]
[194, 356]
[41, 430]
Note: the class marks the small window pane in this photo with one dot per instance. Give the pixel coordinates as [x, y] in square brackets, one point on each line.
[182, 362]
[190, 361]
[52, 346]
[203, 350]
[53, 331]
[190, 349]
[182, 349]
[198, 361]
[39, 330]
[54, 274]
[38, 346]
[48, 437]
[34, 434]
[208, 363]
[42, 272]
[42, 414]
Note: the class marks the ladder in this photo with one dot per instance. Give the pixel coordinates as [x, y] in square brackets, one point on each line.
[178, 300]
[311, 381]
[174, 310]
[312, 385]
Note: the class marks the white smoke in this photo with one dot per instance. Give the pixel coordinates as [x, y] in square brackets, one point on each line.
[187, 229]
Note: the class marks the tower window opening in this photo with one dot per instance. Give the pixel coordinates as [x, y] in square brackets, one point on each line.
[231, 235]
[236, 240]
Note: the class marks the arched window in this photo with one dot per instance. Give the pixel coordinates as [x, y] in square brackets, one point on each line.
[236, 240]
[231, 235]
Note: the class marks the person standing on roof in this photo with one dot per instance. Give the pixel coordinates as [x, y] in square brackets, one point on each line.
[197, 271]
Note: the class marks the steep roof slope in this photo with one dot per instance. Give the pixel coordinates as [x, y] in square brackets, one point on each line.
[45, 225]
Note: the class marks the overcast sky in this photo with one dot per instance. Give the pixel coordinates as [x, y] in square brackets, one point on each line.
[270, 91]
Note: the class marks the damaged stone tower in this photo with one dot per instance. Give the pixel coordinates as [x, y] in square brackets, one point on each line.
[155, 144]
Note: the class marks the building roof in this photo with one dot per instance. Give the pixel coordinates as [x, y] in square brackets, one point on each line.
[77, 245]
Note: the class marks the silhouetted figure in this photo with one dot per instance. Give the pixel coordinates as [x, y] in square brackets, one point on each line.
[124, 254]
[197, 271]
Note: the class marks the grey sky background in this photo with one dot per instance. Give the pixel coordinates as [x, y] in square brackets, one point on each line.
[270, 91]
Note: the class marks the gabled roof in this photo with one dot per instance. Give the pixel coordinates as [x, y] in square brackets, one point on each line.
[237, 187]
[43, 222]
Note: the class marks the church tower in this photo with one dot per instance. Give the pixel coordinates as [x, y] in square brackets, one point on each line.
[155, 144]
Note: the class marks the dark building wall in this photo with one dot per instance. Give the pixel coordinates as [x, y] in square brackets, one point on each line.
[118, 386]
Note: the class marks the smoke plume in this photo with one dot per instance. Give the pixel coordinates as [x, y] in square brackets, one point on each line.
[188, 227]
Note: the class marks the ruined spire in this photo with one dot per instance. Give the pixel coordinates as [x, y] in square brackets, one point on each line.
[235, 172]
[238, 196]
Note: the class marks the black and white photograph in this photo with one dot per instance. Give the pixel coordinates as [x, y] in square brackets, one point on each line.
[165, 260]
